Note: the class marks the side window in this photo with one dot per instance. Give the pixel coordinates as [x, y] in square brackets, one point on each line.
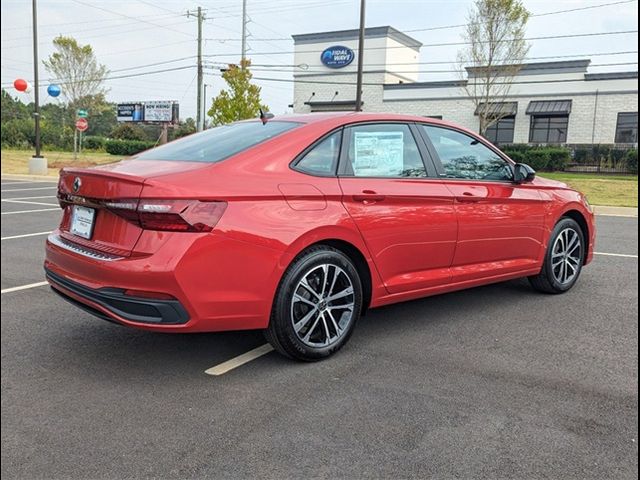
[383, 150]
[465, 157]
[323, 157]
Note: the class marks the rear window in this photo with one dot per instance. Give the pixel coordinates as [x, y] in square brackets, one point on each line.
[218, 143]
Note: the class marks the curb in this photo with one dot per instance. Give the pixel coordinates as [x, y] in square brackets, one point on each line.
[615, 211]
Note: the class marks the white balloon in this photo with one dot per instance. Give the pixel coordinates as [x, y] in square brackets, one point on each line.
[29, 88]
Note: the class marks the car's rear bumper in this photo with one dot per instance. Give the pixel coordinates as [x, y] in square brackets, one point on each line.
[214, 283]
[113, 304]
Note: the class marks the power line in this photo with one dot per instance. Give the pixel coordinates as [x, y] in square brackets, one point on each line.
[51, 36]
[154, 5]
[323, 72]
[444, 27]
[287, 80]
[556, 12]
[128, 16]
[575, 56]
[549, 37]
[131, 75]
[85, 22]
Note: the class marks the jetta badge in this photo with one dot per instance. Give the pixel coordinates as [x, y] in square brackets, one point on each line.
[77, 183]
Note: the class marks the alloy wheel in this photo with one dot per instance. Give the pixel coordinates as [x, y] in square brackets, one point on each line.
[322, 306]
[566, 256]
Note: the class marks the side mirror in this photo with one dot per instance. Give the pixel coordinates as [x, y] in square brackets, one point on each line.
[523, 173]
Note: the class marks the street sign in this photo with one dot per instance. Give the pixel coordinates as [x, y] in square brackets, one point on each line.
[82, 124]
[82, 113]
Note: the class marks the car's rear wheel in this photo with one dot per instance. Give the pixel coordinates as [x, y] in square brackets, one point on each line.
[317, 305]
[563, 260]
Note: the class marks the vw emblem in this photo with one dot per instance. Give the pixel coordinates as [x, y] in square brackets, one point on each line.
[77, 183]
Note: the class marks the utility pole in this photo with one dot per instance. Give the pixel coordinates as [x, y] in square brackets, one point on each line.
[204, 125]
[36, 86]
[199, 118]
[244, 33]
[360, 59]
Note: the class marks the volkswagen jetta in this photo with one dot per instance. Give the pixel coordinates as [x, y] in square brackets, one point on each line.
[299, 224]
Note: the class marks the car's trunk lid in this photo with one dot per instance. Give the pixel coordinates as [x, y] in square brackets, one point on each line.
[87, 192]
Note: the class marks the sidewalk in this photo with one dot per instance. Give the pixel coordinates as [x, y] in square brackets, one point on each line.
[615, 211]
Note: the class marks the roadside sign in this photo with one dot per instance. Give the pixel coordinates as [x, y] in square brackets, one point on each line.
[82, 113]
[82, 124]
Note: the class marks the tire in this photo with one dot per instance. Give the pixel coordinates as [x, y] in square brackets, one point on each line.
[306, 324]
[562, 266]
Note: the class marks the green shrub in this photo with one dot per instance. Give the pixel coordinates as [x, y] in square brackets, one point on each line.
[540, 158]
[127, 131]
[559, 158]
[631, 158]
[515, 155]
[127, 147]
[93, 143]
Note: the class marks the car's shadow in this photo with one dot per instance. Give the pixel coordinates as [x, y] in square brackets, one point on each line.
[91, 345]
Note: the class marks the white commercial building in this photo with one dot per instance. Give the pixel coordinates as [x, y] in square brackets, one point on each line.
[549, 102]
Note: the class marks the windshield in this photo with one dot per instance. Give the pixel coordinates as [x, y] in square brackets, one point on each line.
[218, 143]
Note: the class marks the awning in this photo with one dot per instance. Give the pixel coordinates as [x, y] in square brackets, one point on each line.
[549, 107]
[335, 106]
[497, 109]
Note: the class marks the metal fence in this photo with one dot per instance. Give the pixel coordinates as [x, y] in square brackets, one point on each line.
[603, 159]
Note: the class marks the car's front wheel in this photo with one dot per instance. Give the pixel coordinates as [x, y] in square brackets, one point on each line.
[563, 260]
[317, 304]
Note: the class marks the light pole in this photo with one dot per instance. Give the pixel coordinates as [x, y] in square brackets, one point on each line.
[37, 163]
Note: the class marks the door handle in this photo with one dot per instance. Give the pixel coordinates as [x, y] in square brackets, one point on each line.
[369, 196]
[467, 197]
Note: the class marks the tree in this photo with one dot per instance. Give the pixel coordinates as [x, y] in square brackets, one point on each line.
[185, 128]
[77, 69]
[240, 101]
[494, 56]
[12, 108]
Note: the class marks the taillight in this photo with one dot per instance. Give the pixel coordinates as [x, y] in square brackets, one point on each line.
[169, 215]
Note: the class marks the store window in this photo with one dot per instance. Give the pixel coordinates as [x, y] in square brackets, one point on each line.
[627, 127]
[549, 129]
[501, 132]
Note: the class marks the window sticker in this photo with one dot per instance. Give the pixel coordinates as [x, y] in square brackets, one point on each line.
[378, 154]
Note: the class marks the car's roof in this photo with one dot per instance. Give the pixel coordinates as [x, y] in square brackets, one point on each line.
[334, 119]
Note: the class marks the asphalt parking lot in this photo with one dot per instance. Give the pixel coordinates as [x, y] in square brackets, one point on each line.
[494, 382]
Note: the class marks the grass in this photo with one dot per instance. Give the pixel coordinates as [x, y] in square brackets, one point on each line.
[17, 161]
[612, 190]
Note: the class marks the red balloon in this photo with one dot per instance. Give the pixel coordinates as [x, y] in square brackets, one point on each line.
[20, 84]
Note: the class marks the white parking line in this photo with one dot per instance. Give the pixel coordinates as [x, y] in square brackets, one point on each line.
[27, 189]
[27, 198]
[615, 215]
[28, 202]
[624, 255]
[31, 211]
[27, 182]
[240, 360]
[24, 287]
[25, 235]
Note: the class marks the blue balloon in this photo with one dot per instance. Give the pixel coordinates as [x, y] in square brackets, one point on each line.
[53, 90]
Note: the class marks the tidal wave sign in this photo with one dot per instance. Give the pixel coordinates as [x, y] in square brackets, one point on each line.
[337, 56]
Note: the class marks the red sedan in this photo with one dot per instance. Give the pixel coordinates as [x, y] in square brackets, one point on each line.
[300, 224]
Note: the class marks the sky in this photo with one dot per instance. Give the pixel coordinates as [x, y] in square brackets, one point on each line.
[137, 36]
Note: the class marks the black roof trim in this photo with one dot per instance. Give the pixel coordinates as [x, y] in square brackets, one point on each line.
[610, 76]
[329, 102]
[540, 68]
[439, 84]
